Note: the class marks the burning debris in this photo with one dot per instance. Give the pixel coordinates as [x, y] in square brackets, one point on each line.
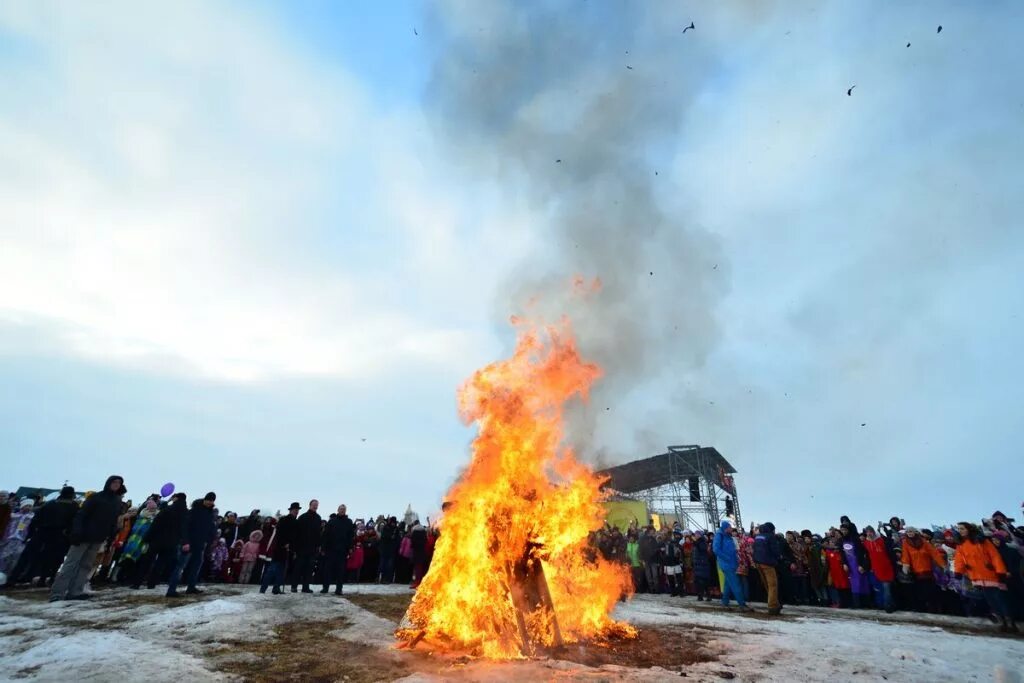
[512, 571]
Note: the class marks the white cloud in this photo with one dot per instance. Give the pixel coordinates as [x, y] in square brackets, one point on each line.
[179, 186]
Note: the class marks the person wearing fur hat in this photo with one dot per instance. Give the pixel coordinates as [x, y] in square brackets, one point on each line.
[250, 553]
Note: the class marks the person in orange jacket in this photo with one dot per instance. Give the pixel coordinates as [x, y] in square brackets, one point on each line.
[980, 561]
[918, 557]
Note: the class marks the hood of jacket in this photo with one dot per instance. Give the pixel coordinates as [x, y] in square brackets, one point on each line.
[725, 525]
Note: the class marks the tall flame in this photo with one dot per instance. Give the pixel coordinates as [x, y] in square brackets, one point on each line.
[523, 501]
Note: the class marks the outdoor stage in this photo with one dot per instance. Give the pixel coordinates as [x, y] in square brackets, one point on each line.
[233, 633]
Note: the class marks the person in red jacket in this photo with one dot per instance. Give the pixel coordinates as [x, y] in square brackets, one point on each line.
[839, 582]
[882, 571]
[980, 561]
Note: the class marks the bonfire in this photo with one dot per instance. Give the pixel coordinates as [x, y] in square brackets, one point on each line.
[513, 571]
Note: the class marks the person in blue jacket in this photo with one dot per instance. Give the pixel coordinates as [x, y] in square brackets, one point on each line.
[724, 547]
[766, 557]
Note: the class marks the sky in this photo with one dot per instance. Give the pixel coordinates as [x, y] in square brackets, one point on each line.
[256, 247]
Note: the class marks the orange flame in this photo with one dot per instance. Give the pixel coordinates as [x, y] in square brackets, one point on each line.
[524, 502]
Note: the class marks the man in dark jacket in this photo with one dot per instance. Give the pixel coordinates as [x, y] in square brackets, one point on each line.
[92, 525]
[307, 546]
[337, 543]
[284, 542]
[389, 540]
[162, 542]
[199, 531]
[47, 539]
[766, 557]
[649, 557]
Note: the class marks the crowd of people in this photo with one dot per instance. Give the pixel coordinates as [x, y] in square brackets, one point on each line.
[965, 569]
[67, 544]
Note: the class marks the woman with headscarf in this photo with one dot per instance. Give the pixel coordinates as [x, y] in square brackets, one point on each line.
[857, 561]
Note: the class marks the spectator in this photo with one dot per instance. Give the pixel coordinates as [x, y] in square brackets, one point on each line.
[918, 558]
[882, 571]
[307, 546]
[48, 539]
[199, 531]
[724, 547]
[250, 553]
[280, 547]
[979, 560]
[337, 541]
[92, 526]
[766, 557]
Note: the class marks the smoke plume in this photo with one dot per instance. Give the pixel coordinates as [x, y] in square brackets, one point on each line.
[578, 106]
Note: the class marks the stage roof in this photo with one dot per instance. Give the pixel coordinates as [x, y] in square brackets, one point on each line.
[649, 473]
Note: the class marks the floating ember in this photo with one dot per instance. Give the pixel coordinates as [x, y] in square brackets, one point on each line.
[512, 570]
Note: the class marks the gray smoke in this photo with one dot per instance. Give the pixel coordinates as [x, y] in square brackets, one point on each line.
[578, 105]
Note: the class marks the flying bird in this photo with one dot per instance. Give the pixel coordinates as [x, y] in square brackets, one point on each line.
[689, 27]
[364, 439]
[908, 44]
[939, 29]
[415, 32]
[629, 67]
[863, 424]
[850, 91]
[558, 161]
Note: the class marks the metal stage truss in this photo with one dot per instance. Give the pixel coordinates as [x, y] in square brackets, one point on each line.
[695, 484]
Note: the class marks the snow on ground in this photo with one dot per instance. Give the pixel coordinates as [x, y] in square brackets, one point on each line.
[138, 634]
[820, 644]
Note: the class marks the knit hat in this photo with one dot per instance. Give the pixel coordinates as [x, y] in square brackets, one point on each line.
[26, 503]
[67, 492]
[913, 530]
[211, 496]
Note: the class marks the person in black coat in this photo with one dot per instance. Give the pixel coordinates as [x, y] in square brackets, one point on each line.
[284, 541]
[47, 539]
[307, 546]
[418, 541]
[200, 529]
[337, 542]
[389, 540]
[163, 539]
[91, 527]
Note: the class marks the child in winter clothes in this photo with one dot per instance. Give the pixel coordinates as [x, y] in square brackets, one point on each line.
[231, 568]
[218, 558]
[250, 553]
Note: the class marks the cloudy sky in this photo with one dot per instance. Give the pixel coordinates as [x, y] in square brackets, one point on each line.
[255, 247]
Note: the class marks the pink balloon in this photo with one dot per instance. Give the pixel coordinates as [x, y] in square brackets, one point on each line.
[167, 489]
